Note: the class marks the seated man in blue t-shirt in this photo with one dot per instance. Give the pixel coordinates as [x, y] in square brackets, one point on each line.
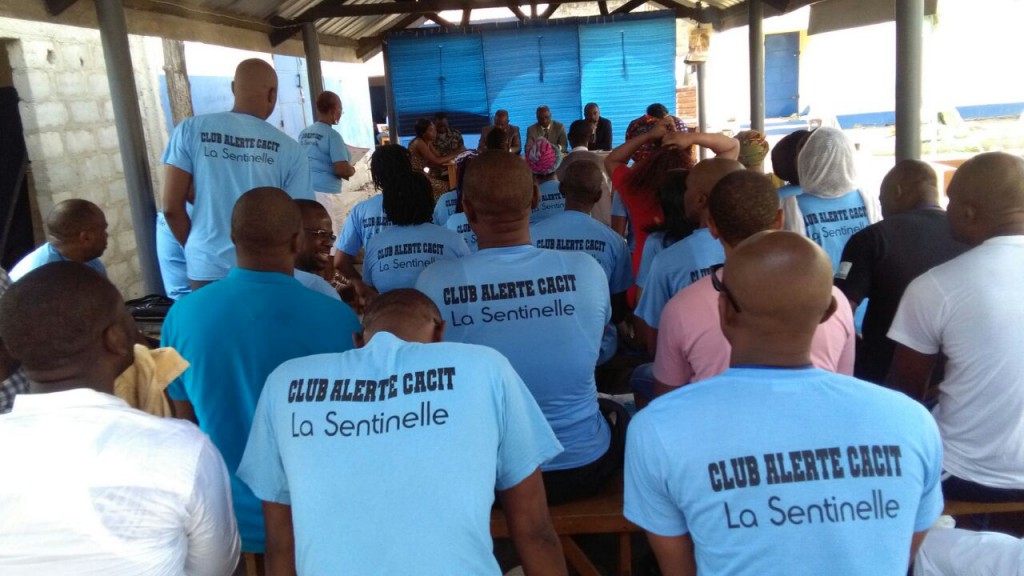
[314, 253]
[575, 230]
[235, 331]
[368, 437]
[543, 309]
[774, 465]
[76, 230]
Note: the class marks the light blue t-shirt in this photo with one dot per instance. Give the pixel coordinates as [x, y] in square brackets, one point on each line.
[44, 255]
[551, 202]
[675, 268]
[412, 439]
[235, 332]
[787, 190]
[324, 146]
[228, 154]
[575, 231]
[619, 210]
[653, 246]
[445, 207]
[831, 222]
[316, 284]
[457, 223]
[170, 256]
[545, 311]
[364, 220]
[797, 471]
[395, 257]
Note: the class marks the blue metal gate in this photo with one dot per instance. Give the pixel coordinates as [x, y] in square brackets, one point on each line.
[781, 74]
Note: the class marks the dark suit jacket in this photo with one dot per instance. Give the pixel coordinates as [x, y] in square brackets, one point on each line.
[603, 136]
[514, 143]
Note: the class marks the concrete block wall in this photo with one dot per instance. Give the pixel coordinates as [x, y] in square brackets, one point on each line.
[68, 119]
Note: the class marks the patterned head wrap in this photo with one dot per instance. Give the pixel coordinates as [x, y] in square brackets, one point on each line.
[753, 148]
[543, 157]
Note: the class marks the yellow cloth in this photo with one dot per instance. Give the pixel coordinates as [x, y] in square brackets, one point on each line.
[142, 385]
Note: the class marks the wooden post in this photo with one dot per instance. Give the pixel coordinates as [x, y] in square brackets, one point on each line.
[179, 91]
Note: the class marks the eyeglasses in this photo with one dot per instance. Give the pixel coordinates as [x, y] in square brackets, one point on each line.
[321, 234]
[720, 286]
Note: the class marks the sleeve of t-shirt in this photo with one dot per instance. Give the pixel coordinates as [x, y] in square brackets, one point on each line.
[854, 274]
[622, 274]
[213, 544]
[646, 258]
[646, 501]
[370, 261]
[297, 182]
[931, 497]
[179, 149]
[618, 207]
[176, 389]
[339, 152]
[527, 440]
[919, 318]
[672, 363]
[654, 296]
[261, 467]
[351, 239]
[459, 247]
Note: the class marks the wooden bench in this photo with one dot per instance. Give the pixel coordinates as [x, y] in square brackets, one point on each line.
[960, 508]
[600, 514]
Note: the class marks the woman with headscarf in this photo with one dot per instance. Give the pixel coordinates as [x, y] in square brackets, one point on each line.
[831, 207]
[543, 158]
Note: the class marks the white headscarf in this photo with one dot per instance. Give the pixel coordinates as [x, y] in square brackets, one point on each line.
[827, 170]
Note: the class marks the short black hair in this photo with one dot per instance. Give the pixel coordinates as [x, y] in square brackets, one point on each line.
[71, 217]
[264, 218]
[742, 204]
[579, 132]
[408, 199]
[421, 126]
[399, 305]
[583, 182]
[55, 313]
[440, 116]
[589, 106]
[784, 156]
[495, 140]
[657, 110]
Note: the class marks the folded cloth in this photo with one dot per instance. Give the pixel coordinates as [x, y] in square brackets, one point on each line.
[142, 385]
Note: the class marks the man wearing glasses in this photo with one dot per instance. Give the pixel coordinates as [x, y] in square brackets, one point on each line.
[315, 243]
[691, 345]
[774, 462]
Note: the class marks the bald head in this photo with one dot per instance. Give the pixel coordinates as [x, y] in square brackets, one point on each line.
[65, 315]
[498, 184]
[910, 184]
[255, 88]
[699, 183]
[407, 313]
[782, 283]
[986, 198]
[264, 219]
[78, 229]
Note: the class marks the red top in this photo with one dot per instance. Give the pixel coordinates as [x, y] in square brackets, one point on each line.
[644, 210]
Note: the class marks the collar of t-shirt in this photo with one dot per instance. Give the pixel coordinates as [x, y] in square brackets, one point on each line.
[508, 250]
[261, 277]
[77, 398]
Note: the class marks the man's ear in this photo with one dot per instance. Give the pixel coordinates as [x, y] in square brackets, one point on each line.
[535, 201]
[117, 340]
[232, 86]
[832, 307]
[296, 243]
[272, 97]
[468, 210]
[357, 339]
[439, 327]
[780, 220]
[713, 228]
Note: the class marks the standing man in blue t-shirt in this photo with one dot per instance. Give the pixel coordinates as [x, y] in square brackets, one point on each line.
[511, 293]
[235, 331]
[329, 158]
[775, 465]
[224, 155]
[408, 434]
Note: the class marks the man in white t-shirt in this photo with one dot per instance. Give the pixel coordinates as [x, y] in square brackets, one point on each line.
[691, 345]
[90, 485]
[224, 155]
[969, 310]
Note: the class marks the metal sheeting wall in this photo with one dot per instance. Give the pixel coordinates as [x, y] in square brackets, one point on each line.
[623, 65]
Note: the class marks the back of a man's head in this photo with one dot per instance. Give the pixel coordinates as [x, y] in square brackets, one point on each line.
[579, 133]
[910, 184]
[707, 173]
[657, 110]
[255, 88]
[781, 289]
[264, 220]
[405, 312]
[57, 316]
[498, 184]
[784, 156]
[742, 204]
[581, 184]
[986, 197]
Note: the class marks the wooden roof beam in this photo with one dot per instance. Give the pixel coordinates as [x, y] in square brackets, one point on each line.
[56, 7]
[422, 7]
